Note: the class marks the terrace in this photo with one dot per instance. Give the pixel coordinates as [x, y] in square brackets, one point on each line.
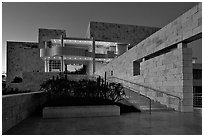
[160, 122]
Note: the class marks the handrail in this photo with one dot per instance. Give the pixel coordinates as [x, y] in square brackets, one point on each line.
[141, 95]
[137, 92]
[149, 88]
[146, 87]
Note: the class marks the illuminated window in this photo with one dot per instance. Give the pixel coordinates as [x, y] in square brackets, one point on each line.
[54, 65]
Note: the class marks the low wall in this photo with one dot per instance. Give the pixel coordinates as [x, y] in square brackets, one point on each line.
[16, 108]
[81, 111]
[33, 80]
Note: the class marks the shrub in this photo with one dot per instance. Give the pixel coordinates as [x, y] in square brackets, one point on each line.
[62, 87]
[17, 80]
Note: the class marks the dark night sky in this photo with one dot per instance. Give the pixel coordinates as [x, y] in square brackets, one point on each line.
[21, 21]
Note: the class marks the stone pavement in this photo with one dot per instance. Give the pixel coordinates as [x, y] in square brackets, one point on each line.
[163, 123]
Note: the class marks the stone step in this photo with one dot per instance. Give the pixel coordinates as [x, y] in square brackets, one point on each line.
[142, 102]
[156, 109]
[144, 105]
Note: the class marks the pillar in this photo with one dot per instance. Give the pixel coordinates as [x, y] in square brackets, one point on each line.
[187, 99]
[62, 58]
[45, 44]
[93, 53]
[46, 65]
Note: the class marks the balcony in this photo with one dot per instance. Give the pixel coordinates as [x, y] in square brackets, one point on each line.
[67, 51]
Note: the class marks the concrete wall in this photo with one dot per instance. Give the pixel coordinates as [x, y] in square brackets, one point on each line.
[124, 33]
[98, 66]
[33, 80]
[89, 68]
[171, 71]
[25, 56]
[47, 34]
[16, 108]
[22, 57]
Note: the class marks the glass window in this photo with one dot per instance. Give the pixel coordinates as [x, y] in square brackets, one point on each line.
[54, 65]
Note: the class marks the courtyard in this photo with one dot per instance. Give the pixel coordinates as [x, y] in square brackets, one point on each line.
[151, 66]
[158, 122]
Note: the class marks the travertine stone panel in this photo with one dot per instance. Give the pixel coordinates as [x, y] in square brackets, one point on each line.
[47, 34]
[23, 57]
[170, 72]
[131, 34]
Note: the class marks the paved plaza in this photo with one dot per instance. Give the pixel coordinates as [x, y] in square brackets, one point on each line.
[164, 123]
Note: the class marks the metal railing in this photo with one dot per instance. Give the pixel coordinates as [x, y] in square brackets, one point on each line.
[179, 108]
[131, 90]
[150, 108]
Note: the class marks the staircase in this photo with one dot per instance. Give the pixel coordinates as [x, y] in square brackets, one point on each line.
[143, 103]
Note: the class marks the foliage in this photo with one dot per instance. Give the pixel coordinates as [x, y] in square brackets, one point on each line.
[62, 87]
[17, 80]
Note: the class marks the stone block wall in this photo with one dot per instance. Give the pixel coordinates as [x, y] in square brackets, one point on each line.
[172, 69]
[22, 57]
[16, 108]
[47, 34]
[130, 34]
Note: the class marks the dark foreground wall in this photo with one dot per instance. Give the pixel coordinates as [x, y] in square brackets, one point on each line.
[16, 108]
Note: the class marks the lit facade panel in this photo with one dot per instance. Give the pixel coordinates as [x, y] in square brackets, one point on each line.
[62, 51]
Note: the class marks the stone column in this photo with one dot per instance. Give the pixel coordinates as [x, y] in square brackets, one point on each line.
[62, 59]
[93, 53]
[187, 100]
[45, 44]
[46, 66]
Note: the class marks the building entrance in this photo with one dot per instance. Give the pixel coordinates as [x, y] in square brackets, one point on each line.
[75, 68]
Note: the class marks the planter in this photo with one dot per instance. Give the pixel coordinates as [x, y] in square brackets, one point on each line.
[81, 111]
